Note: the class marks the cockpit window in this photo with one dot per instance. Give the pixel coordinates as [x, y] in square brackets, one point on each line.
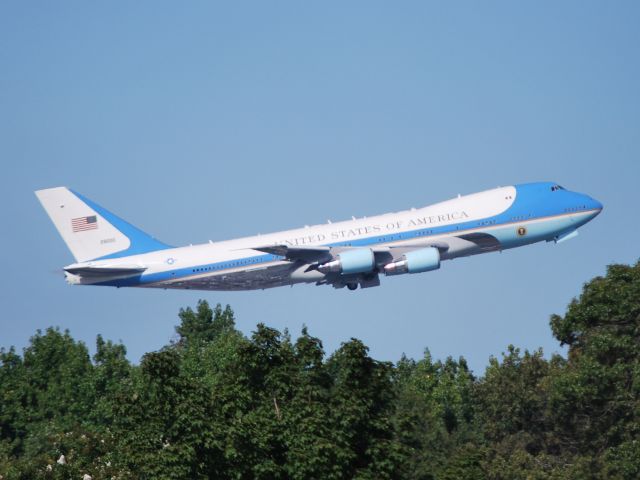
[556, 187]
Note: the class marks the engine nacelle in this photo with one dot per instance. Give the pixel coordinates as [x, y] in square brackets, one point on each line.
[417, 261]
[360, 260]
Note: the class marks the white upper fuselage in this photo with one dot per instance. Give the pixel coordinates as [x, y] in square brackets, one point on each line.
[492, 220]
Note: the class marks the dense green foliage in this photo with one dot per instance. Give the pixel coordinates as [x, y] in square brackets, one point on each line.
[216, 404]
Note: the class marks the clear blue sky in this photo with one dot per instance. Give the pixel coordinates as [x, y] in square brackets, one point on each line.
[202, 120]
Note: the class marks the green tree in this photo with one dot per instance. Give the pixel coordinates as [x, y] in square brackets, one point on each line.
[216, 404]
[13, 419]
[48, 409]
[310, 450]
[57, 391]
[595, 403]
[433, 414]
[512, 409]
[204, 325]
[361, 405]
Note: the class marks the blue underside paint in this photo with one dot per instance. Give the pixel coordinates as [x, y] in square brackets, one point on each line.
[533, 201]
[140, 242]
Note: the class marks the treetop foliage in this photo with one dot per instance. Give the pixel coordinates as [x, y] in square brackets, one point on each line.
[218, 404]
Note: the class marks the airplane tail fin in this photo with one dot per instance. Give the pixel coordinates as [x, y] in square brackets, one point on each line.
[90, 231]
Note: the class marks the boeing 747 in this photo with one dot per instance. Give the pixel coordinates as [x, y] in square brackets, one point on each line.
[111, 252]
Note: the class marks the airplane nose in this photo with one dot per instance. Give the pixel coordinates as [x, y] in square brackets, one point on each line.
[595, 204]
[590, 203]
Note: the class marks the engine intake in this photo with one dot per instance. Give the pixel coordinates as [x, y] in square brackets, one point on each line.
[359, 260]
[417, 261]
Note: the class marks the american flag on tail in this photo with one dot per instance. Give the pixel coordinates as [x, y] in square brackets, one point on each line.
[84, 223]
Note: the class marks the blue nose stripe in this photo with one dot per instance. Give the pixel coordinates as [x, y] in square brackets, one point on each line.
[596, 204]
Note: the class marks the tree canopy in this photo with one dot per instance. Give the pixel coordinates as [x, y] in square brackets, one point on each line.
[215, 403]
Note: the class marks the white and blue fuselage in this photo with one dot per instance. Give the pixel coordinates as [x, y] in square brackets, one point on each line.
[112, 252]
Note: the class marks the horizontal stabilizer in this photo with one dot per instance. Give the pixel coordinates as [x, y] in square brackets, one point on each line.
[103, 271]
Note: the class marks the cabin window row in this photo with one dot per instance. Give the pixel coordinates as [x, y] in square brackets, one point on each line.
[228, 265]
[575, 209]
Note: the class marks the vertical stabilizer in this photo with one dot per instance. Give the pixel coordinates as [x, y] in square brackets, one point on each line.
[90, 231]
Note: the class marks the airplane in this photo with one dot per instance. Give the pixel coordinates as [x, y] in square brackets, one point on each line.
[111, 252]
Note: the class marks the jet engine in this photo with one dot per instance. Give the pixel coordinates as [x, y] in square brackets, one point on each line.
[417, 261]
[360, 260]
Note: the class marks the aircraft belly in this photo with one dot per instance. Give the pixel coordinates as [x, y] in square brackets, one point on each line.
[255, 279]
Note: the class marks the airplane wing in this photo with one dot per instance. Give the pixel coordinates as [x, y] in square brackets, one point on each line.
[306, 254]
[321, 253]
[315, 256]
[484, 241]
